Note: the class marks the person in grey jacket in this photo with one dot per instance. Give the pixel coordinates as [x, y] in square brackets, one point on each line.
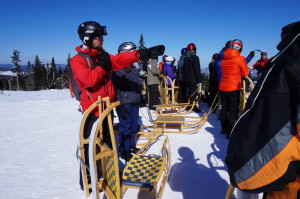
[127, 86]
[152, 82]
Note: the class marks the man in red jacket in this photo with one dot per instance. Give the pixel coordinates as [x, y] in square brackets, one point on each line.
[260, 64]
[95, 80]
[92, 66]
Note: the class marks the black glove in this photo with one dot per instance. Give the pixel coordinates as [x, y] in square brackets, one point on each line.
[104, 61]
[259, 68]
[252, 54]
[122, 111]
[146, 53]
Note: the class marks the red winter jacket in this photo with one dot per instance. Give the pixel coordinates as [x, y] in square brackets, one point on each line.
[233, 67]
[95, 81]
[260, 62]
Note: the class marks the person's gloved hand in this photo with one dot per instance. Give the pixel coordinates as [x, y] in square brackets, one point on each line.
[146, 53]
[252, 54]
[104, 61]
[142, 73]
[122, 111]
[259, 68]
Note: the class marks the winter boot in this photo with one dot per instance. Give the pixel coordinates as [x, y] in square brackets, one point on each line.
[134, 150]
[127, 156]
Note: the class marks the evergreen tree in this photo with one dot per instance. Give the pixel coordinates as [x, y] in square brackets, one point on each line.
[52, 78]
[141, 42]
[37, 74]
[16, 59]
[65, 74]
[29, 80]
[44, 79]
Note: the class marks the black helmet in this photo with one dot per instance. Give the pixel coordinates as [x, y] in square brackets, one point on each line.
[264, 53]
[126, 47]
[89, 30]
[184, 51]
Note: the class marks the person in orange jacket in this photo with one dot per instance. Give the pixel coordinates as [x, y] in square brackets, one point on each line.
[234, 68]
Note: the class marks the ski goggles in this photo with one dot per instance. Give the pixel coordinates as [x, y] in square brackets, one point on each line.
[97, 33]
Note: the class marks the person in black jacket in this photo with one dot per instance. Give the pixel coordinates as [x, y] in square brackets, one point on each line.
[181, 76]
[263, 149]
[192, 71]
[213, 82]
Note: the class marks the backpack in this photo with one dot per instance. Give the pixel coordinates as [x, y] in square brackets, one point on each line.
[73, 86]
[263, 150]
[160, 67]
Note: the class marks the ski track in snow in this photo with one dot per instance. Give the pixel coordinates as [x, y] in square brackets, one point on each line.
[39, 137]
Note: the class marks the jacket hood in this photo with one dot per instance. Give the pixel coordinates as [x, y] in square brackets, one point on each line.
[289, 31]
[230, 53]
[190, 53]
[87, 50]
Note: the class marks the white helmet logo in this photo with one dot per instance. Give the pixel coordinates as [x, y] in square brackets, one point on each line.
[89, 31]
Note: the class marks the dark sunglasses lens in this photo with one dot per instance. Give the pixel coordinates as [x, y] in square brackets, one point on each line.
[102, 30]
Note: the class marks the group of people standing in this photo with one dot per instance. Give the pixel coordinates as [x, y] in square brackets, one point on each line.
[98, 73]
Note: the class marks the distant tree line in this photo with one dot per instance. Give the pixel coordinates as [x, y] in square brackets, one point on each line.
[37, 76]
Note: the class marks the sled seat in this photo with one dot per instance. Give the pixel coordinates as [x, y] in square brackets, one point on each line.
[144, 172]
[169, 121]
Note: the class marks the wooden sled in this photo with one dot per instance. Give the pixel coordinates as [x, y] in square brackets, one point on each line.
[180, 108]
[229, 192]
[179, 124]
[245, 92]
[83, 145]
[110, 182]
[168, 95]
[145, 139]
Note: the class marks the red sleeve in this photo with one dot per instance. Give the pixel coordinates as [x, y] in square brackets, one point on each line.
[84, 76]
[122, 60]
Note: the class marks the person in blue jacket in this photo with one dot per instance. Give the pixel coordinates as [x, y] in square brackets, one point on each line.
[128, 92]
[168, 70]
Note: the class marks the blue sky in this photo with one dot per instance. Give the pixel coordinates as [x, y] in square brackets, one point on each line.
[49, 28]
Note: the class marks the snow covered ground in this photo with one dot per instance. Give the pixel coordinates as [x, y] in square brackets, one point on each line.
[39, 136]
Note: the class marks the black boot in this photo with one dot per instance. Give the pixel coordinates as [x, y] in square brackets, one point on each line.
[127, 156]
[134, 150]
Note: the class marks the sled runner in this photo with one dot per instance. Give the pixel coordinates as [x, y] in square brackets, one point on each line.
[105, 150]
[245, 92]
[179, 124]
